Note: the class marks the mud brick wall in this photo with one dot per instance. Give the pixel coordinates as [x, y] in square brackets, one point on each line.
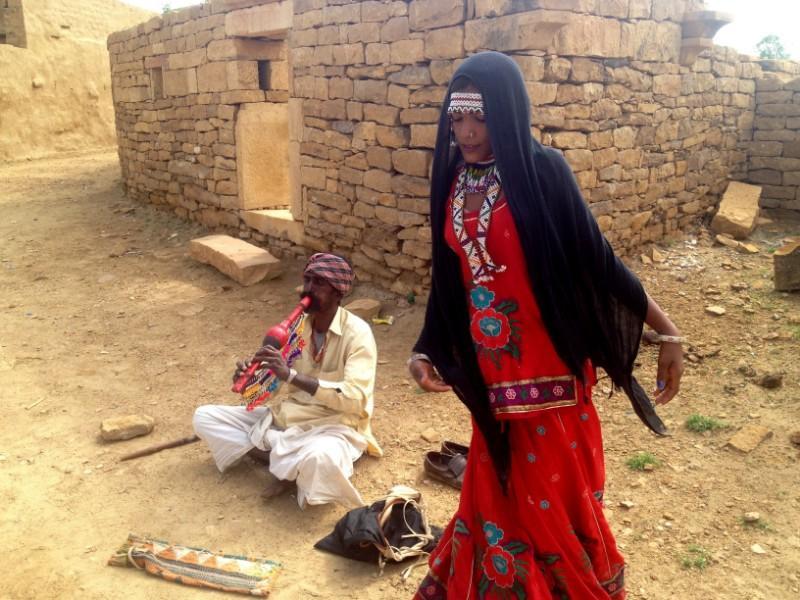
[775, 151]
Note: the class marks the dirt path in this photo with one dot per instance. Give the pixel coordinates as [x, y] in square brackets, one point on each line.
[102, 313]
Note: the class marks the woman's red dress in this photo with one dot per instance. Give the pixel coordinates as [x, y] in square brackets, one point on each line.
[547, 538]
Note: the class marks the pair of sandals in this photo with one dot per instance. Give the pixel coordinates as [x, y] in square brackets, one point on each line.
[448, 465]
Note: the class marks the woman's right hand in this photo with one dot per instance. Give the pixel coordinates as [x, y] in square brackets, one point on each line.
[426, 376]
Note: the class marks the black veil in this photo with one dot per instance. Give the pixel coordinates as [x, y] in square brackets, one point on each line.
[591, 304]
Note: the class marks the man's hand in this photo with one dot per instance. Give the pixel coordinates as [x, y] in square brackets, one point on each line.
[426, 376]
[272, 358]
[670, 370]
[241, 367]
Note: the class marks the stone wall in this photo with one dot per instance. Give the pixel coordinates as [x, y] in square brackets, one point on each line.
[202, 116]
[55, 87]
[12, 24]
[775, 152]
[652, 117]
[652, 141]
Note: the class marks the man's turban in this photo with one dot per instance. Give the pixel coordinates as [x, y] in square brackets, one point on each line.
[333, 269]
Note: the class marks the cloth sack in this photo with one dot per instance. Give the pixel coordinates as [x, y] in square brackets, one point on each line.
[393, 528]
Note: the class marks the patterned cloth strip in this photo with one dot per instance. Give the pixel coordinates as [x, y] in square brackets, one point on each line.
[333, 269]
[198, 567]
[461, 102]
[533, 394]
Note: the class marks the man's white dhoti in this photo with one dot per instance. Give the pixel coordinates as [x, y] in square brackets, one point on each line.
[319, 458]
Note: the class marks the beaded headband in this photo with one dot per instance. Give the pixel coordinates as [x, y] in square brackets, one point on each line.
[465, 102]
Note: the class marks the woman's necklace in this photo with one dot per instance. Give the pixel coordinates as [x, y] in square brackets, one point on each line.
[482, 178]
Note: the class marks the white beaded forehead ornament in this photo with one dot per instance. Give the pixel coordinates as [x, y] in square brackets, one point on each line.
[465, 102]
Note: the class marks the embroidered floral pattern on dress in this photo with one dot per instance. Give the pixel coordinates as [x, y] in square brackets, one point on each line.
[504, 571]
[494, 330]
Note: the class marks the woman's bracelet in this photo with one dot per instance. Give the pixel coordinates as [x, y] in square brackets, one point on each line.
[418, 356]
[670, 339]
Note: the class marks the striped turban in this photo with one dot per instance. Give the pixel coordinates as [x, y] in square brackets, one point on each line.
[333, 269]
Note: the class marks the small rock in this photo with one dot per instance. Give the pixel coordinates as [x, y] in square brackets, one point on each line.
[746, 370]
[739, 286]
[726, 240]
[747, 248]
[627, 504]
[757, 549]
[127, 427]
[366, 308]
[430, 435]
[192, 310]
[717, 311]
[646, 260]
[770, 381]
[658, 257]
[751, 517]
[794, 437]
[749, 437]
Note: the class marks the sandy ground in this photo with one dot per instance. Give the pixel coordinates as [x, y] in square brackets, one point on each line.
[102, 313]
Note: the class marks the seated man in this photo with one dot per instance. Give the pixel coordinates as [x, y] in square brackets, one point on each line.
[317, 431]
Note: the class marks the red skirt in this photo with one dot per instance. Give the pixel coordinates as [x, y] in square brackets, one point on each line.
[548, 538]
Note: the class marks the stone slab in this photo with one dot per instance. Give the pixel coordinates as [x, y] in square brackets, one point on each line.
[262, 156]
[273, 19]
[127, 427]
[366, 308]
[526, 31]
[242, 262]
[786, 264]
[738, 212]
[277, 223]
[749, 437]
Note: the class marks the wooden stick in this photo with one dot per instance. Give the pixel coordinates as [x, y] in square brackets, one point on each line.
[159, 447]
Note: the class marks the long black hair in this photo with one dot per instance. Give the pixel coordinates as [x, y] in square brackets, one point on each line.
[592, 306]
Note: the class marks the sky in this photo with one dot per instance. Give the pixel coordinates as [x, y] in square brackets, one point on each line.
[753, 19]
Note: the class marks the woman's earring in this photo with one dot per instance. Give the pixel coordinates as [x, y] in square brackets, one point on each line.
[453, 142]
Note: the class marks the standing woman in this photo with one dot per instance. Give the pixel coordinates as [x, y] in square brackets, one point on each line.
[527, 298]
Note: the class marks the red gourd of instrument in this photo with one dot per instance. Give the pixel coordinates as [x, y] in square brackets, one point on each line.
[276, 337]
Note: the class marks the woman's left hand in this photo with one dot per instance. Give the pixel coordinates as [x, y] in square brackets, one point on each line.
[670, 370]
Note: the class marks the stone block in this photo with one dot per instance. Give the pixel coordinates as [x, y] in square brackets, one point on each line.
[246, 49]
[423, 136]
[445, 43]
[738, 211]
[370, 90]
[748, 438]
[429, 14]
[405, 52]
[584, 35]
[276, 224]
[262, 155]
[186, 60]
[212, 77]
[127, 427]
[242, 262]
[526, 31]
[272, 19]
[412, 162]
[395, 29]
[181, 82]
[365, 308]
[786, 264]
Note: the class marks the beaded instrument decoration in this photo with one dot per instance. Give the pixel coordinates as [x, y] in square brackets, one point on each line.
[258, 382]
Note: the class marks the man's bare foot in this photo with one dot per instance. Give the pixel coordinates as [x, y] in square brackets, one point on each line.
[259, 456]
[275, 488]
